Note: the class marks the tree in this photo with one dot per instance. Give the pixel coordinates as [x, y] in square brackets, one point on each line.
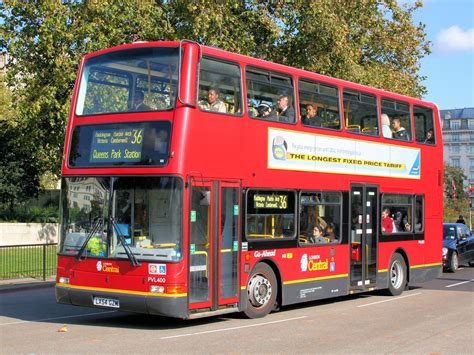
[18, 178]
[373, 42]
[456, 199]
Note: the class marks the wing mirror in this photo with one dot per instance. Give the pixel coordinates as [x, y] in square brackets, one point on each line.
[189, 57]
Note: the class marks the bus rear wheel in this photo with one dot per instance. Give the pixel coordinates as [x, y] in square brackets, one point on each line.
[397, 275]
[262, 290]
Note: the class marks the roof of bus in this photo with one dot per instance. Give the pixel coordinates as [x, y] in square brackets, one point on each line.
[265, 64]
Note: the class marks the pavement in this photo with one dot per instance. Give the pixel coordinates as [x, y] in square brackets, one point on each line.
[12, 285]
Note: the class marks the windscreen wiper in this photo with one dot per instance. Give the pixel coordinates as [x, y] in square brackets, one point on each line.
[94, 230]
[128, 251]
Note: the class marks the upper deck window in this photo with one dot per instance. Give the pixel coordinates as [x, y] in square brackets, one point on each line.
[360, 113]
[319, 105]
[396, 120]
[132, 80]
[270, 96]
[424, 125]
[220, 87]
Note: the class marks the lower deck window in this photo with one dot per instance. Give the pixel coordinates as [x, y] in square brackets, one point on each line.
[320, 218]
[402, 214]
[270, 214]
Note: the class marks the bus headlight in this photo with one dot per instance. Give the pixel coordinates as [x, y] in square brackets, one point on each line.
[64, 280]
[157, 289]
[445, 252]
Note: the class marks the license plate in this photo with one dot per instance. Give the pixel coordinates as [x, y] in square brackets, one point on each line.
[106, 302]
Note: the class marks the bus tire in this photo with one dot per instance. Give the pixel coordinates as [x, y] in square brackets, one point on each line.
[397, 275]
[262, 290]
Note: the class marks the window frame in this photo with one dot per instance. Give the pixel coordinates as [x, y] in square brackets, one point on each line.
[241, 82]
[353, 91]
[293, 87]
[338, 97]
[270, 191]
[435, 133]
[410, 118]
[80, 95]
[412, 205]
[340, 203]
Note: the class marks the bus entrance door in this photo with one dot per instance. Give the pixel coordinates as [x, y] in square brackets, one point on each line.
[213, 244]
[363, 237]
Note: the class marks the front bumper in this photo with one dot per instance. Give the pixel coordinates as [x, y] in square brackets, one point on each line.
[164, 305]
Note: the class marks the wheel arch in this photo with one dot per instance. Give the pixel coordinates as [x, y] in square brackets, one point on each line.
[404, 255]
[276, 271]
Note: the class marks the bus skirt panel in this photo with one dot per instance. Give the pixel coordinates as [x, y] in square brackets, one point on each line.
[304, 290]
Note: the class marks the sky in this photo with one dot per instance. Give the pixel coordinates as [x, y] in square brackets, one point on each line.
[449, 69]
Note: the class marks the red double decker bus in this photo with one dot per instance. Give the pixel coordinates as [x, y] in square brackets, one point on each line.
[198, 182]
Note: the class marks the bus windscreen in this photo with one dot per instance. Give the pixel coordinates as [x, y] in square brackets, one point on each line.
[132, 80]
[120, 144]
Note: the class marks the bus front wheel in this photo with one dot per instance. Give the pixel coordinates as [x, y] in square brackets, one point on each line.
[262, 290]
[397, 275]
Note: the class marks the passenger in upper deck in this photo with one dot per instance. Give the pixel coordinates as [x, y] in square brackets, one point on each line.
[138, 102]
[399, 132]
[429, 139]
[213, 103]
[311, 118]
[264, 110]
[286, 113]
[386, 131]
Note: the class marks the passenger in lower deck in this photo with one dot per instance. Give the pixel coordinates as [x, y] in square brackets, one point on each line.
[387, 221]
[330, 233]
[318, 235]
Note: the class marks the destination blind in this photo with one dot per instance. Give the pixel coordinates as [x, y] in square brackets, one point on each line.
[109, 145]
[120, 144]
[270, 202]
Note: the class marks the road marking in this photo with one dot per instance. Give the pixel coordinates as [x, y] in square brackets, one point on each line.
[64, 317]
[460, 283]
[390, 300]
[232, 328]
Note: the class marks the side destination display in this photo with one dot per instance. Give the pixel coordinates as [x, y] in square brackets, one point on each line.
[290, 150]
[270, 201]
[120, 144]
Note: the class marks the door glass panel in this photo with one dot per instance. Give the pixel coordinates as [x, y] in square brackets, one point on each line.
[371, 233]
[356, 236]
[229, 242]
[199, 240]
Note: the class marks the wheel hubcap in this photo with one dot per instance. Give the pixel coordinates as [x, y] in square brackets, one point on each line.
[396, 275]
[455, 261]
[259, 290]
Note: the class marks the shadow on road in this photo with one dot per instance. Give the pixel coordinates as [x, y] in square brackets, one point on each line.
[39, 305]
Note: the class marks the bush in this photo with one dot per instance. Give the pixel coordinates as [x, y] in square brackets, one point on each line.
[30, 215]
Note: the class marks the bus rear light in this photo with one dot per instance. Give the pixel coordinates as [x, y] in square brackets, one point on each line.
[64, 280]
[175, 289]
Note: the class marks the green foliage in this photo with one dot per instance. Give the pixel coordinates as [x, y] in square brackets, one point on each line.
[19, 176]
[372, 42]
[30, 215]
[459, 206]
